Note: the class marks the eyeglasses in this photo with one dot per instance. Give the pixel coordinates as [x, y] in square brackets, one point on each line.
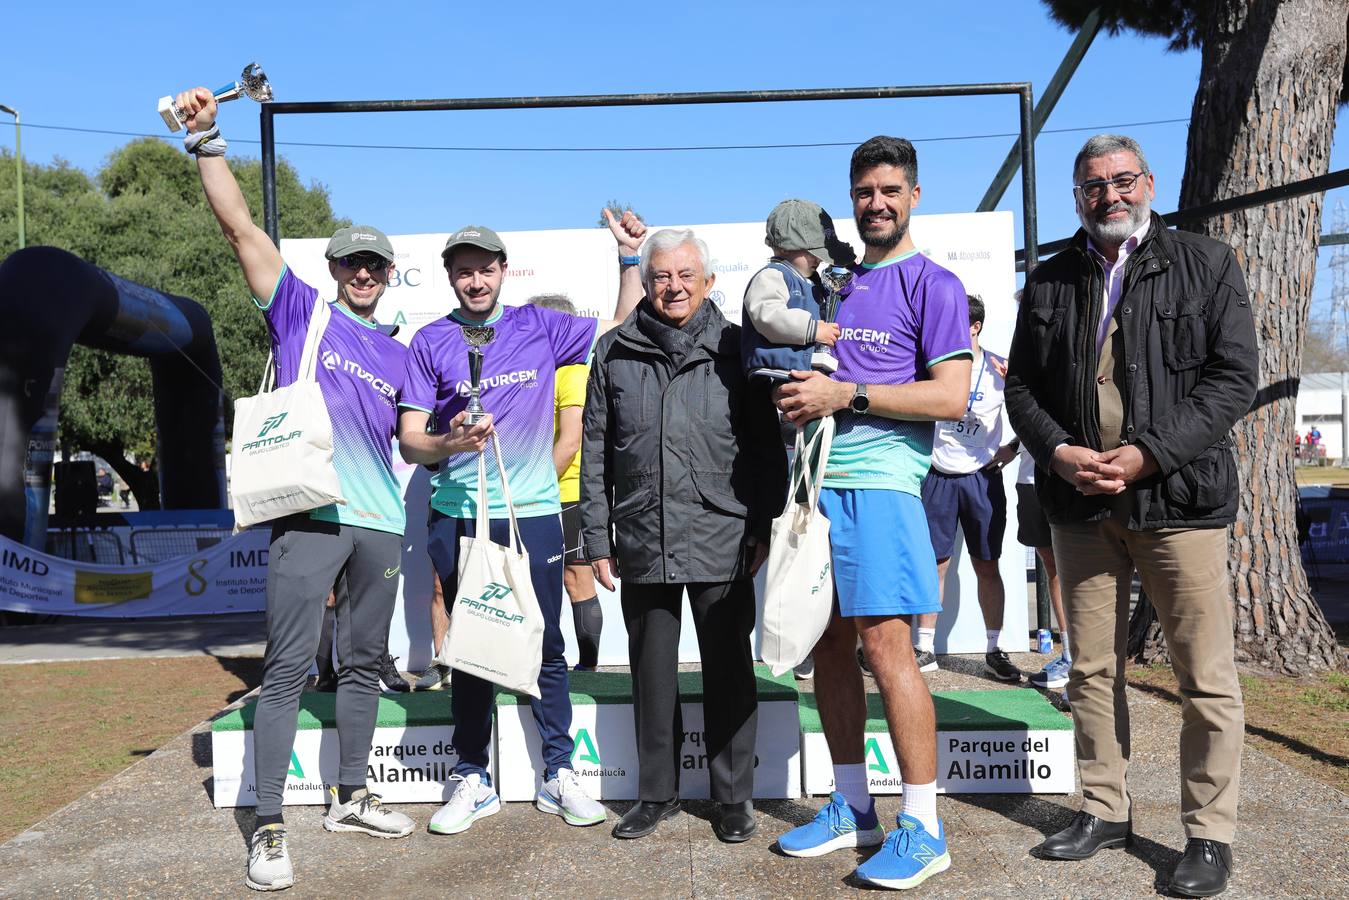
[365, 261]
[1123, 184]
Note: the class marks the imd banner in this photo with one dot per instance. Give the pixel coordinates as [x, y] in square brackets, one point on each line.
[228, 577]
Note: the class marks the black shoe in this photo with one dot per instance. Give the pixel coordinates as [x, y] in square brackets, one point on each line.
[734, 822]
[1083, 837]
[1000, 667]
[327, 683]
[862, 661]
[1203, 870]
[388, 673]
[643, 818]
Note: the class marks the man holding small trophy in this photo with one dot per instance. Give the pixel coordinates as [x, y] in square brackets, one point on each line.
[487, 370]
[355, 548]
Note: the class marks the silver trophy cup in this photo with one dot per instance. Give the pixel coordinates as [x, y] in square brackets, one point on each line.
[834, 279]
[253, 83]
[477, 337]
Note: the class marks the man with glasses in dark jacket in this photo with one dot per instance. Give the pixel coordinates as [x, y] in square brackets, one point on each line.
[681, 474]
[1134, 356]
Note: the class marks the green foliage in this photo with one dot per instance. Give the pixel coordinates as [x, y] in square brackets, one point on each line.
[1184, 23]
[145, 218]
[617, 207]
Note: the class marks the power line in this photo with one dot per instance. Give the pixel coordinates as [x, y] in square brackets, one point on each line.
[452, 149]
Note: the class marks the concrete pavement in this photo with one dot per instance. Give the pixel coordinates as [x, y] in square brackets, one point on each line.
[151, 831]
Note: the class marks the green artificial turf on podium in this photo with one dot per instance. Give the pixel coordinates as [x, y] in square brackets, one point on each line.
[601, 688]
[1008, 710]
[318, 709]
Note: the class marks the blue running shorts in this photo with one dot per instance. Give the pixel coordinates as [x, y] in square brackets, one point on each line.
[976, 502]
[883, 562]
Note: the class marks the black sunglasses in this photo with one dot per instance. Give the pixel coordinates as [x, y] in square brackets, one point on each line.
[369, 262]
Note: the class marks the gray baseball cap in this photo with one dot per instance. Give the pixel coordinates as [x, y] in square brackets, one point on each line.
[803, 225]
[474, 236]
[359, 239]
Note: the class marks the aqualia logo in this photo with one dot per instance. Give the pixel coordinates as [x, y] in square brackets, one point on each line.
[331, 360]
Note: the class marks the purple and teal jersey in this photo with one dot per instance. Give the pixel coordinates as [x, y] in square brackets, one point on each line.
[518, 370]
[898, 318]
[360, 374]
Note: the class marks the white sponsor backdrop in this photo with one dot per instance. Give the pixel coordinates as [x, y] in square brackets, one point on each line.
[978, 247]
[228, 577]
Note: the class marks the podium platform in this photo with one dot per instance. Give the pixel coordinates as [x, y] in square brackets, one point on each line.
[988, 741]
[996, 741]
[410, 756]
[606, 747]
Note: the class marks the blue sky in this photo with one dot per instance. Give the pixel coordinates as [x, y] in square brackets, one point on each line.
[96, 66]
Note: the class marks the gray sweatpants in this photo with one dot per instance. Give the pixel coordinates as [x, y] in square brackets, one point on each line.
[307, 559]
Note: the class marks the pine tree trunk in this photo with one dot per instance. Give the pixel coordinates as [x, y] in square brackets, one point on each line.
[1264, 115]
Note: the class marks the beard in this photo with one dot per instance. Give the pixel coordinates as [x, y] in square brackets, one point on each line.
[361, 307]
[884, 240]
[1114, 233]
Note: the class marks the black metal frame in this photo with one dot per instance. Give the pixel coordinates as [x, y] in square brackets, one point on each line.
[269, 111]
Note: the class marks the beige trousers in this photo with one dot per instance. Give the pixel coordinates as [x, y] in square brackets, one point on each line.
[1184, 572]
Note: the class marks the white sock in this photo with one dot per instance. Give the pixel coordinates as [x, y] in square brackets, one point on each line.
[920, 802]
[1067, 650]
[927, 640]
[993, 638]
[851, 781]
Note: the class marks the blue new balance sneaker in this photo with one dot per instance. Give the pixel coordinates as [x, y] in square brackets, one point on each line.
[909, 857]
[1053, 675]
[836, 826]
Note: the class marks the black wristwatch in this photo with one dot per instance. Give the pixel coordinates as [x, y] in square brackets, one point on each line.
[860, 401]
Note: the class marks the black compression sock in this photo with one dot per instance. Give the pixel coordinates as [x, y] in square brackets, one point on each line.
[589, 621]
[264, 821]
[345, 791]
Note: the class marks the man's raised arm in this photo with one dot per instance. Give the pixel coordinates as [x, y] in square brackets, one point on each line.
[258, 257]
[629, 232]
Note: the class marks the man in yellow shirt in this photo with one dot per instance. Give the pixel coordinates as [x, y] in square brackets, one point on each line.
[570, 394]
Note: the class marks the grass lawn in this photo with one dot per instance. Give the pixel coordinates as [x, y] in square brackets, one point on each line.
[1322, 475]
[67, 727]
[1302, 721]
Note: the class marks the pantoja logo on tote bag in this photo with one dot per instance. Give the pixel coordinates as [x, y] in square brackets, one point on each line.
[496, 628]
[283, 441]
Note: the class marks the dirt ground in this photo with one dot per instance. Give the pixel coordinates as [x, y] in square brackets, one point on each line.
[67, 727]
[1303, 722]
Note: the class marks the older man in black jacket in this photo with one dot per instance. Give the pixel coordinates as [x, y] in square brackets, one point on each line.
[681, 474]
[1134, 356]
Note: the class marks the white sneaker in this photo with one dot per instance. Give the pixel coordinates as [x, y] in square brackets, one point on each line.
[472, 800]
[805, 670]
[365, 812]
[434, 678]
[269, 860]
[562, 795]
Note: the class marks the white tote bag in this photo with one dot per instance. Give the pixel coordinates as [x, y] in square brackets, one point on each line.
[496, 628]
[799, 597]
[283, 442]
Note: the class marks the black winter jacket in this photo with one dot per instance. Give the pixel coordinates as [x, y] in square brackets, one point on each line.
[1190, 374]
[681, 466]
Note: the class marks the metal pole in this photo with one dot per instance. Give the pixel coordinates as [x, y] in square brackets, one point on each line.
[18, 172]
[1344, 420]
[269, 212]
[1029, 222]
[1048, 100]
